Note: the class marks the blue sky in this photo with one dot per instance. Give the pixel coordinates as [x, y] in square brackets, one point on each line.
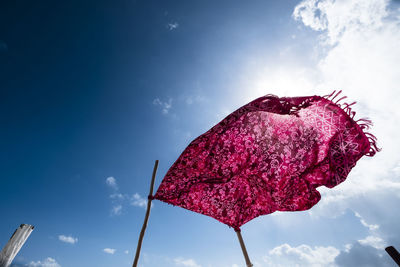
[92, 93]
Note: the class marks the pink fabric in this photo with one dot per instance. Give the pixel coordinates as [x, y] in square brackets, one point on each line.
[268, 155]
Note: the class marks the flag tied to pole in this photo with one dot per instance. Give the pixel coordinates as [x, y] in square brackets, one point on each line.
[269, 155]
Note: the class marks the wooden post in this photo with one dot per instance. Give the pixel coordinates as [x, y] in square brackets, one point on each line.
[15, 243]
[394, 254]
[146, 218]
[246, 256]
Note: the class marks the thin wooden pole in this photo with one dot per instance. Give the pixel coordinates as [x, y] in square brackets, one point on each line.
[394, 254]
[146, 218]
[242, 245]
[15, 243]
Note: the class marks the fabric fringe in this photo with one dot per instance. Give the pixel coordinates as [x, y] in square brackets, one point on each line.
[295, 108]
[363, 123]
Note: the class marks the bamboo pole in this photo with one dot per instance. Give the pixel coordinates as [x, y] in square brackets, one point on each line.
[242, 245]
[146, 218]
[15, 243]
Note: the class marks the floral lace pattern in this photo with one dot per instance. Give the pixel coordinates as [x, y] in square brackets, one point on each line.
[268, 155]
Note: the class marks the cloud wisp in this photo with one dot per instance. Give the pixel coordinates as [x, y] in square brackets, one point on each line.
[185, 262]
[370, 227]
[337, 18]
[138, 201]
[164, 105]
[111, 182]
[109, 250]
[48, 262]
[172, 26]
[68, 239]
[116, 210]
[120, 201]
[303, 255]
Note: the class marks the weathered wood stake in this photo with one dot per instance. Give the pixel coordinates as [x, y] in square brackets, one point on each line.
[15, 243]
[246, 256]
[146, 218]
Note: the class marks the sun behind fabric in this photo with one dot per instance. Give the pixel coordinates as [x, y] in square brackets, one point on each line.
[269, 155]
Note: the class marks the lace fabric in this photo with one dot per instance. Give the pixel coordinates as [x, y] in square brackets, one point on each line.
[269, 155]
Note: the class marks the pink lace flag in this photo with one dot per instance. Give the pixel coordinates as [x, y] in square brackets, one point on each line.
[268, 155]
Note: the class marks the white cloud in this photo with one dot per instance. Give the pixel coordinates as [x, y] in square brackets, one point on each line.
[373, 241]
[138, 201]
[303, 255]
[109, 250]
[342, 16]
[172, 26]
[120, 200]
[116, 210]
[68, 239]
[165, 106]
[186, 262]
[117, 196]
[306, 12]
[371, 227]
[112, 182]
[359, 255]
[48, 262]
[347, 247]
[126, 251]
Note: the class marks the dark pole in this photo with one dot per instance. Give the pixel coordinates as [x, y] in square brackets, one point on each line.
[146, 218]
[394, 254]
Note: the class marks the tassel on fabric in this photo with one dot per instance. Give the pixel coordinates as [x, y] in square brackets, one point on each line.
[363, 123]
